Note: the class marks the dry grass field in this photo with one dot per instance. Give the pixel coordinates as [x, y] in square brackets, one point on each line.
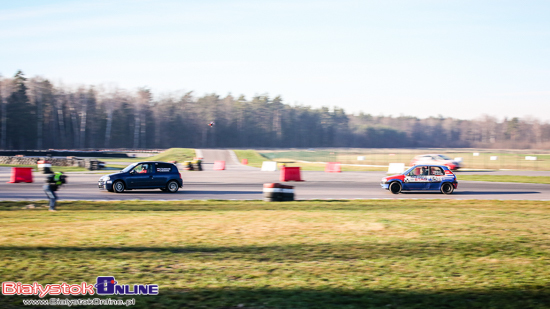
[505, 159]
[307, 254]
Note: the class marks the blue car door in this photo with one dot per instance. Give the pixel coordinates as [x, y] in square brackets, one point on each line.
[436, 177]
[417, 179]
[161, 173]
[140, 177]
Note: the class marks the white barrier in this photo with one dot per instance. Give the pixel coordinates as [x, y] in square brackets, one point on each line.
[530, 158]
[494, 158]
[269, 166]
[458, 159]
[476, 154]
[360, 158]
[396, 168]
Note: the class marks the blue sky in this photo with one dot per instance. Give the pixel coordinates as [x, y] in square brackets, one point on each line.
[423, 58]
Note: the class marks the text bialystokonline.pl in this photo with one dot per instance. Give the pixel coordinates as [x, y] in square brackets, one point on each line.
[79, 302]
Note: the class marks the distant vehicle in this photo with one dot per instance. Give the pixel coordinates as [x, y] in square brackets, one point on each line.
[422, 177]
[437, 159]
[143, 175]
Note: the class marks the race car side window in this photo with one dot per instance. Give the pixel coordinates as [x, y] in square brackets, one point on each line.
[163, 168]
[144, 168]
[436, 171]
[416, 171]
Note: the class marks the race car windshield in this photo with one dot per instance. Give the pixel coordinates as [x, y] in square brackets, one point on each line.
[129, 168]
[444, 157]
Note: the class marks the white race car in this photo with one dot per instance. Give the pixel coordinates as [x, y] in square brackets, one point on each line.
[437, 159]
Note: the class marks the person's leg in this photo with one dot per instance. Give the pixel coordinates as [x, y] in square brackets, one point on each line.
[51, 195]
[53, 200]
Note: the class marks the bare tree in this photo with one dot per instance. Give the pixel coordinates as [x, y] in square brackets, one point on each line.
[73, 108]
[144, 101]
[83, 113]
[37, 95]
[5, 91]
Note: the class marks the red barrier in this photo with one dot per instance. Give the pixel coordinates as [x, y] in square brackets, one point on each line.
[333, 167]
[219, 165]
[290, 174]
[21, 174]
[244, 161]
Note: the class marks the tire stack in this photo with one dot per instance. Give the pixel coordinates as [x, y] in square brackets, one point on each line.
[44, 166]
[93, 165]
[188, 166]
[276, 192]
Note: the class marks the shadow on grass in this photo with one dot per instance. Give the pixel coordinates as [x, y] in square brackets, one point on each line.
[297, 252]
[524, 296]
[216, 204]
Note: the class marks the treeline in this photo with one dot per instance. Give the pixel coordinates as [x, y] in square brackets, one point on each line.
[35, 114]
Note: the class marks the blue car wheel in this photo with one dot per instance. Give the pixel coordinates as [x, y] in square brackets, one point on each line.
[118, 186]
[447, 188]
[172, 186]
[395, 187]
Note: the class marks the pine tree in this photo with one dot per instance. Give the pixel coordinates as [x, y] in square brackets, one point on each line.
[21, 116]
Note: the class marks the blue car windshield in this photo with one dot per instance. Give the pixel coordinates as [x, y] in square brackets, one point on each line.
[129, 168]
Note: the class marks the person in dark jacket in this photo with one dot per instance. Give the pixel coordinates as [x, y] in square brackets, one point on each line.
[53, 182]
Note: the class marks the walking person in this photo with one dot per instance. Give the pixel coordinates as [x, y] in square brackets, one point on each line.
[53, 182]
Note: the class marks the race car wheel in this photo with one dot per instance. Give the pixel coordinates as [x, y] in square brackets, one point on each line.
[118, 186]
[172, 186]
[447, 188]
[395, 187]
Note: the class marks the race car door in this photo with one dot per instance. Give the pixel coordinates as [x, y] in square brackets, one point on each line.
[436, 177]
[161, 174]
[417, 179]
[141, 176]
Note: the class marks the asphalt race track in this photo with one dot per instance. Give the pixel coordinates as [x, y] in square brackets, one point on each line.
[241, 182]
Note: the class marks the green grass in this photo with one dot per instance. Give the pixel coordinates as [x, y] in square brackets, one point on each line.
[54, 168]
[506, 178]
[304, 254]
[305, 166]
[507, 159]
[172, 154]
[253, 157]
[66, 168]
[18, 165]
[137, 159]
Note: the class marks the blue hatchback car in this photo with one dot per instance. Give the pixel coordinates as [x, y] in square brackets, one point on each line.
[143, 175]
[421, 178]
